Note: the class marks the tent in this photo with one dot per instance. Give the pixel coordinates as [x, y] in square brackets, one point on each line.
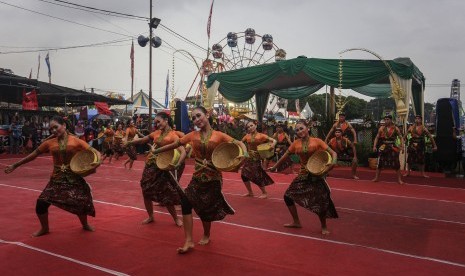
[12, 86]
[300, 77]
[141, 104]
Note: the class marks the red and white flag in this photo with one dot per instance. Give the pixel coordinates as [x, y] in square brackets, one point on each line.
[30, 100]
[210, 19]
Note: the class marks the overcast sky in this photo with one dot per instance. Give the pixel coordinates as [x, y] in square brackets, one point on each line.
[429, 32]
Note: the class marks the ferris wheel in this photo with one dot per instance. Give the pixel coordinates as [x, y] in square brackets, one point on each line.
[235, 51]
[241, 50]
[244, 49]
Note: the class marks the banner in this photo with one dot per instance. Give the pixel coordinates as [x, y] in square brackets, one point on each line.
[131, 56]
[210, 19]
[102, 108]
[38, 68]
[47, 60]
[166, 91]
[30, 100]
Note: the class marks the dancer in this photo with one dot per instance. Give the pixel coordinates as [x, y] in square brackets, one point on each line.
[159, 185]
[107, 147]
[345, 127]
[309, 191]
[416, 145]
[204, 191]
[66, 189]
[346, 152]
[252, 170]
[118, 141]
[283, 142]
[388, 152]
[131, 132]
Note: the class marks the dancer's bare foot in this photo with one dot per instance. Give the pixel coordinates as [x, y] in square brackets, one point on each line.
[375, 180]
[401, 182]
[293, 225]
[425, 176]
[205, 240]
[41, 232]
[148, 220]
[324, 231]
[248, 195]
[355, 177]
[178, 222]
[89, 228]
[263, 196]
[405, 175]
[186, 248]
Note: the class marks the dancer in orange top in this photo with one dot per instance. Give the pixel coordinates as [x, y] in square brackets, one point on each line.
[252, 170]
[107, 147]
[309, 191]
[66, 189]
[159, 185]
[131, 132]
[203, 193]
[118, 141]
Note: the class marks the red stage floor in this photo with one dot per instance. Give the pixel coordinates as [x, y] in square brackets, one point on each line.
[384, 228]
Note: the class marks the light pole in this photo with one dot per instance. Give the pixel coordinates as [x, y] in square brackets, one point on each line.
[155, 42]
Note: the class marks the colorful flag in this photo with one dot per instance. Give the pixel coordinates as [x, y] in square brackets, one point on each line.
[210, 19]
[38, 68]
[131, 56]
[166, 91]
[47, 60]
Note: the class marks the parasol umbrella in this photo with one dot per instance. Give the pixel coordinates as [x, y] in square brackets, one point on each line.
[102, 117]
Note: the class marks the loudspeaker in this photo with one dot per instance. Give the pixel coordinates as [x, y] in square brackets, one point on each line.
[142, 40]
[445, 128]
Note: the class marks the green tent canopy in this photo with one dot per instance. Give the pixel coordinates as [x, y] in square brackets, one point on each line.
[299, 77]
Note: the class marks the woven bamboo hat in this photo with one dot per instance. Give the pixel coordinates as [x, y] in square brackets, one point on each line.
[227, 157]
[168, 159]
[85, 162]
[265, 150]
[317, 163]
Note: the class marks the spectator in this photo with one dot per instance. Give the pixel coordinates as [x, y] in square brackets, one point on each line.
[45, 127]
[27, 132]
[15, 137]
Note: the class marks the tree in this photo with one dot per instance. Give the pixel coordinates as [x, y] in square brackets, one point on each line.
[377, 106]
